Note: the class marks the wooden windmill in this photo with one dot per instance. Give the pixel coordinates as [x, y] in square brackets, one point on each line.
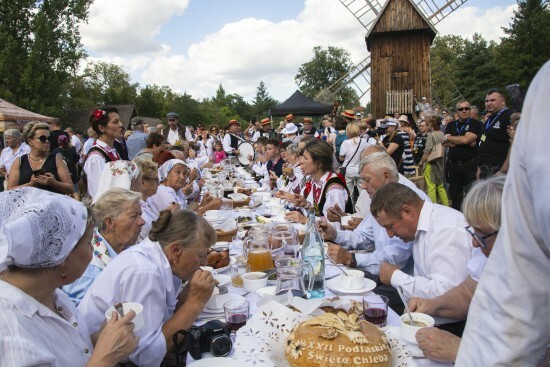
[397, 70]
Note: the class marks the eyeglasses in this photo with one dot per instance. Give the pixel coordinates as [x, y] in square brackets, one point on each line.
[479, 238]
[44, 138]
[462, 109]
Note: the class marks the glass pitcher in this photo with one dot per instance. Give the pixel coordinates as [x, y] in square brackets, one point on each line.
[290, 277]
[257, 251]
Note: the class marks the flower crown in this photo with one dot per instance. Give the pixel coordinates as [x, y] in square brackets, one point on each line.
[98, 114]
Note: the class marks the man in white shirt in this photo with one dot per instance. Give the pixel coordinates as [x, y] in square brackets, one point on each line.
[14, 149]
[232, 140]
[75, 140]
[376, 170]
[175, 131]
[441, 245]
[508, 322]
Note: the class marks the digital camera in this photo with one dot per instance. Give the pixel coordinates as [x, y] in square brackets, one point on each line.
[211, 337]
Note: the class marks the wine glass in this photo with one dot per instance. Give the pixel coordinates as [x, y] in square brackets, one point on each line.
[237, 313]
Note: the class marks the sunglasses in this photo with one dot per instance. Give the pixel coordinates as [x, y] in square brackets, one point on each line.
[44, 138]
[462, 109]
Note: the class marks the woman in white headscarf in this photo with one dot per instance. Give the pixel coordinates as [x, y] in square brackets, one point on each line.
[44, 243]
[173, 176]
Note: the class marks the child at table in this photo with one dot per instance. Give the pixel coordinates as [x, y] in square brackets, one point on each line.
[219, 154]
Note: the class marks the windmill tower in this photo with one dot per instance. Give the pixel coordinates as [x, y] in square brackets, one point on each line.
[399, 36]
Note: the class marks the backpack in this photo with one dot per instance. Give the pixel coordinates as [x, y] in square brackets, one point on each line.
[340, 138]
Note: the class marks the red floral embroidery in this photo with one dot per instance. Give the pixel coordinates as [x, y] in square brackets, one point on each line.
[98, 114]
[307, 189]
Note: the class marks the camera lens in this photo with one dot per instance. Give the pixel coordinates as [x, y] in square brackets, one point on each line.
[220, 345]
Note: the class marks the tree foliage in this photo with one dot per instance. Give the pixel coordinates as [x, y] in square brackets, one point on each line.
[263, 102]
[41, 49]
[324, 69]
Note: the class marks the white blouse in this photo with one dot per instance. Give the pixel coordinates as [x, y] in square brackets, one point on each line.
[139, 274]
[33, 335]
[165, 196]
[335, 194]
[94, 166]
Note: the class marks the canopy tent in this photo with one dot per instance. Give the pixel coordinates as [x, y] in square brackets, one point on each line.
[13, 117]
[298, 104]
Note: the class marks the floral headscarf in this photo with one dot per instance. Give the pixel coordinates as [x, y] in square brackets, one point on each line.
[116, 174]
[38, 229]
[165, 169]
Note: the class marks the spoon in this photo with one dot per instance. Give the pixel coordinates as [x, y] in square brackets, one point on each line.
[222, 289]
[404, 299]
[119, 309]
[268, 273]
[338, 266]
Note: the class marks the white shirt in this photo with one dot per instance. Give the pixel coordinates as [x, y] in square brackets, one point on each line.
[369, 233]
[226, 142]
[139, 274]
[352, 148]
[476, 264]
[205, 148]
[33, 335]
[76, 143]
[509, 311]
[441, 250]
[94, 167]
[87, 145]
[165, 196]
[8, 156]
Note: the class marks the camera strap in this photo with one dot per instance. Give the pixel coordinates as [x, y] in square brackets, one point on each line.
[178, 358]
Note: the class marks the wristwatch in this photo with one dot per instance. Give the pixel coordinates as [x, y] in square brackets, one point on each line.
[446, 138]
[353, 261]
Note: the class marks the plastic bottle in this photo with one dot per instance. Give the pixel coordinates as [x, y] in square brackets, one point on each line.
[313, 252]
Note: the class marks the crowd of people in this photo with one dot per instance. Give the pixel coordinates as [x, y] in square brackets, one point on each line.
[431, 200]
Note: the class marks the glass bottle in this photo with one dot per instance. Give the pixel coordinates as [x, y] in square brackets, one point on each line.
[313, 252]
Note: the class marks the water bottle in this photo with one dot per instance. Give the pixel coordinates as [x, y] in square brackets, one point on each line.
[313, 252]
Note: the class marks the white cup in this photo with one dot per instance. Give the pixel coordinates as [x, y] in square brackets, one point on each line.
[254, 280]
[408, 332]
[355, 279]
[127, 307]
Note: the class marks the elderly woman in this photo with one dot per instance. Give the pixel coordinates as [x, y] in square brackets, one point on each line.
[293, 174]
[14, 148]
[106, 123]
[482, 209]
[39, 168]
[151, 273]
[323, 189]
[434, 171]
[118, 212]
[173, 177]
[39, 325]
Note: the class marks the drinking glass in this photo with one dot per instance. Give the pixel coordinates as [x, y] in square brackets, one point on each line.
[227, 206]
[236, 314]
[286, 240]
[237, 270]
[375, 309]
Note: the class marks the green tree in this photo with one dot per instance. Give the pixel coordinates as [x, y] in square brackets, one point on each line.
[477, 71]
[262, 101]
[443, 59]
[325, 68]
[41, 49]
[109, 84]
[153, 101]
[526, 49]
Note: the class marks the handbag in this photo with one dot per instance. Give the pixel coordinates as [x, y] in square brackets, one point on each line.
[343, 169]
[438, 151]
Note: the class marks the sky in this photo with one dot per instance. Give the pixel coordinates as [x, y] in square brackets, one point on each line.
[193, 46]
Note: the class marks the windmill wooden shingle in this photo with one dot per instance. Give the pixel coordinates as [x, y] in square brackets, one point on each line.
[399, 43]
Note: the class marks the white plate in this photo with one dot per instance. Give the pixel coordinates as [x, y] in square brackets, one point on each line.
[413, 348]
[212, 215]
[231, 262]
[217, 361]
[222, 279]
[226, 297]
[335, 286]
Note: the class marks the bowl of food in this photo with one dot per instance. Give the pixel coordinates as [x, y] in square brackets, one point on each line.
[419, 321]
[254, 280]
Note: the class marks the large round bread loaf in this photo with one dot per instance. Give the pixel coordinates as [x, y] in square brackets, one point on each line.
[337, 340]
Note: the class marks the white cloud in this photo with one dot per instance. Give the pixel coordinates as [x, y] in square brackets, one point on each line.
[243, 53]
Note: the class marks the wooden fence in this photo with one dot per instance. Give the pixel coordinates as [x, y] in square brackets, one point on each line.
[399, 100]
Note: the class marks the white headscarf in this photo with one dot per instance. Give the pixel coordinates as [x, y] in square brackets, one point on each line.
[167, 166]
[116, 174]
[38, 229]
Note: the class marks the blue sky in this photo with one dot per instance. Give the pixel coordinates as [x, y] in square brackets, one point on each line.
[193, 46]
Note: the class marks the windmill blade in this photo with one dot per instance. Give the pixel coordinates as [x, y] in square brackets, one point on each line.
[437, 10]
[365, 11]
[358, 77]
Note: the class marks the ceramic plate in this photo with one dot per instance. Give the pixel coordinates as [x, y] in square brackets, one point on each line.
[231, 262]
[211, 306]
[335, 286]
[413, 348]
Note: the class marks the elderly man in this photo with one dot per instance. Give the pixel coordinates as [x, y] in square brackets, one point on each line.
[308, 127]
[138, 140]
[232, 139]
[175, 132]
[14, 148]
[376, 170]
[441, 245]
[461, 136]
[265, 130]
[494, 142]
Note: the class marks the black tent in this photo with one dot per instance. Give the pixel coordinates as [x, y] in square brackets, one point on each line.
[300, 105]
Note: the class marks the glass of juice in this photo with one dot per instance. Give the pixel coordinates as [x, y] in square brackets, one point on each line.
[375, 309]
